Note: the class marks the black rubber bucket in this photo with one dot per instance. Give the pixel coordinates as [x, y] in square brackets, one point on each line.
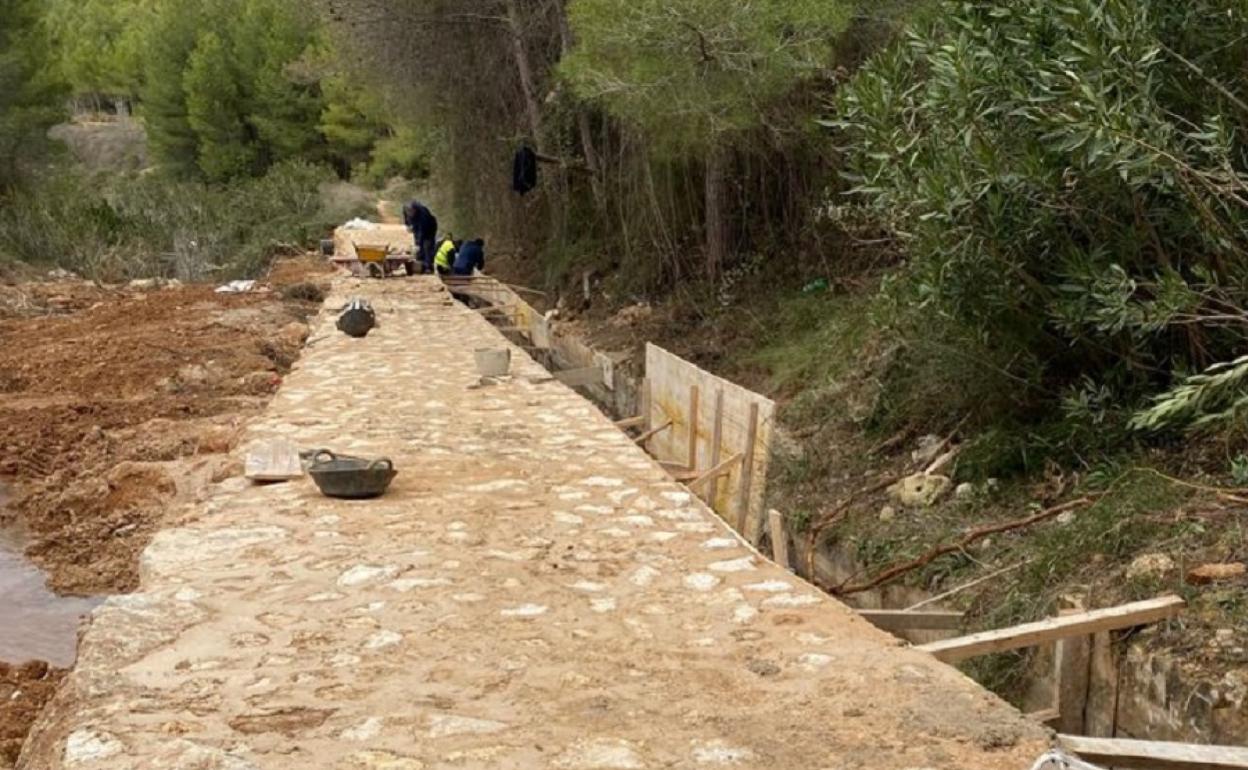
[351, 478]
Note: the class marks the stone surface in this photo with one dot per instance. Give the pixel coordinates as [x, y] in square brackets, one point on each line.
[1150, 565]
[506, 605]
[920, 490]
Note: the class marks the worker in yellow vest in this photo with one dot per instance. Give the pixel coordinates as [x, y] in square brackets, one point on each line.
[444, 259]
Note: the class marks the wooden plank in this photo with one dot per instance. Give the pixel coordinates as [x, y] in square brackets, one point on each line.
[695, 395]
[541, 332]
[575, 378]
[630, 422]
[779, 538]
[714, 472]
[275, 460]
[1154, 755]
[643, 438]
[1081, 624]
[901, 620]
[745, 492]
[672, 467]
[717, 438]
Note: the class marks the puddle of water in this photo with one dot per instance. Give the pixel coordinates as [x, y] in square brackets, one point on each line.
[35, 623]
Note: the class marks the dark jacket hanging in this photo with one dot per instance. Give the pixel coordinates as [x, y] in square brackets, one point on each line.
[524, 170]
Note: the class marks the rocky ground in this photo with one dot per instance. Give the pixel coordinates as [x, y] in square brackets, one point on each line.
[117, 405]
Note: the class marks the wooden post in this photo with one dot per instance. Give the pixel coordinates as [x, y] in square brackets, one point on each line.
[779, 538]
[1101, 712]
[645, 403]
[694, 397]
[747, 474]
[717, 436]
[1071, 659]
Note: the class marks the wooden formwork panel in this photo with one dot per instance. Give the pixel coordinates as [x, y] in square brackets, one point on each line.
[672, 382]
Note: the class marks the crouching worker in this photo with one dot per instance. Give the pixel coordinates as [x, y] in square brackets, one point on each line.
[471, 256]
[444, 260]
[424, 226]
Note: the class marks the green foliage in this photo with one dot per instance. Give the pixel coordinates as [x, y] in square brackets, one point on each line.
[28, 98]
[120, 227]
[215, 111]
[404, 153]
[171, 38]
[1215, 397]
[687, 71]
[1069, 182]
[99, 45]
[231, 87]
[1239, 469]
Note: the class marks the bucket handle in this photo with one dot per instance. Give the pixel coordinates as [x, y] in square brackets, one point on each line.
[323, 453]
[384, 464]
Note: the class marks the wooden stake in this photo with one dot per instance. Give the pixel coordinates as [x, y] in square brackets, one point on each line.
[717, 436]
[645, 402]
[1029, 634]
[694, 397]
[1071, 665]
[745, 489]
[1101, 712]
[643, 438]
[713, 473]
[779, 538]
[630, 422]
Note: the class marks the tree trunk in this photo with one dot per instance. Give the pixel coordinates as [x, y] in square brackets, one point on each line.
[716, 216]
[559, 206]
[582, 121]
[525, 70]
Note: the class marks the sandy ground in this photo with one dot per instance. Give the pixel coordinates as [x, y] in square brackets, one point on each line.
[534, 592]
[118, 405]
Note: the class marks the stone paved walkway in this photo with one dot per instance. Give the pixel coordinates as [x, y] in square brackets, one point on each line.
[533, 593]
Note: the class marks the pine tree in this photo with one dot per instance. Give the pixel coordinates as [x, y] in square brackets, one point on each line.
[29, 99]
[170, 38]
[215, 111]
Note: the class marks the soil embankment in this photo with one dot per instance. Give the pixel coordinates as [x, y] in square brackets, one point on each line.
[117, 405]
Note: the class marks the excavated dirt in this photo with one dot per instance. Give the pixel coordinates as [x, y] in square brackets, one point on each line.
[23, 691]
[117, 406]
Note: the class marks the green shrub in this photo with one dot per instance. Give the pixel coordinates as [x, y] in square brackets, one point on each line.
[1069, 181]
[405, 153]
[122, 227]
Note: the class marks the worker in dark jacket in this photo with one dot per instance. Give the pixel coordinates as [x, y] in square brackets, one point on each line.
[424, 226]
[471, 256]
